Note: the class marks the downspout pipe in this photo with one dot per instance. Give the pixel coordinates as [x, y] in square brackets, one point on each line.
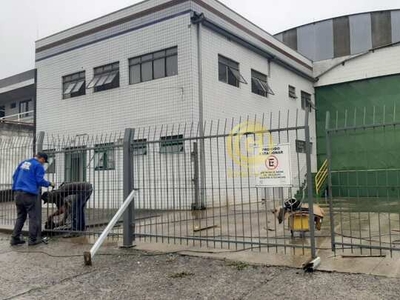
[197, 19]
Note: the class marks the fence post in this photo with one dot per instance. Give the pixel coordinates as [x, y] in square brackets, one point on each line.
[39, 146]
[310, 185]
[128, 218]
[34, 110]
[328, 157]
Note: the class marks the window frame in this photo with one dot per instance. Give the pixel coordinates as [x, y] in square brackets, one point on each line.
[105, 77]
[301, 146]
[292, 92]
[139, 147]
[104, 149]
[232, 68]
[24, 114]
[168, 142]
[304, 102]
[69, 82]
[152, 58]
[260, 81]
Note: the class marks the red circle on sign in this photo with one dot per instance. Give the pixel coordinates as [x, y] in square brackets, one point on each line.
[271, 162]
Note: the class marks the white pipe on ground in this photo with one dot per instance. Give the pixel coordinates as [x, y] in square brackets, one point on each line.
[88, 255]
[312, 265]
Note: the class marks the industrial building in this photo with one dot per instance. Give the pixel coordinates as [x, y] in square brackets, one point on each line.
[17, 98]
[139, 66]
[17, 115]
[165, 62]
[356, 64]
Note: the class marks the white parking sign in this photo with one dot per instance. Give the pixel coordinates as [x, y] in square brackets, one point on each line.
[273, 170]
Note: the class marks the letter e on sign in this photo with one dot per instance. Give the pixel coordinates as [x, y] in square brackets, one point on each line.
[271, 162]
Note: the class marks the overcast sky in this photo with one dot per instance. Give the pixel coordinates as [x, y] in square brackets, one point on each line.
[24, 21]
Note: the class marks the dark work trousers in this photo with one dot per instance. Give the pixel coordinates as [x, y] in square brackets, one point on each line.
[26, 206]
[78, 211]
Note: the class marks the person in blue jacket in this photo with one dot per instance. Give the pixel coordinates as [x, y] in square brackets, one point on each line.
[27, 180]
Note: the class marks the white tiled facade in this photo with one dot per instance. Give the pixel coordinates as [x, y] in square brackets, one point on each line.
[160, 101]
[175, 99]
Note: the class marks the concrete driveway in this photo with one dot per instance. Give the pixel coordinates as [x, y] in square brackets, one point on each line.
[56, 271]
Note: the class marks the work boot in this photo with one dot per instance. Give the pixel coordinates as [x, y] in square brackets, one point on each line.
[34, 243]
[16, 242]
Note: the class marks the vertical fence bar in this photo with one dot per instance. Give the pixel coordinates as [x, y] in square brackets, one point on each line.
[309, 185]
[195, 160]
[210, 162]
[162, 184]
[219, 183]
[40, 142]
[329, 160]
[188, 184]
[227, 198]
[167, 183]
[240, 183]
[128, 221]
[389, 216]
[155, 185]
[233, 188]
[35, 111]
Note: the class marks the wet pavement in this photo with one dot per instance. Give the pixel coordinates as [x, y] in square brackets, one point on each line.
[249, 225]
[94, 217]
[56, 271]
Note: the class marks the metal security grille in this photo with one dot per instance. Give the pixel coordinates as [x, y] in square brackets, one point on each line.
[363, 180]
[220, 207]
[224, 209]
[12, 151]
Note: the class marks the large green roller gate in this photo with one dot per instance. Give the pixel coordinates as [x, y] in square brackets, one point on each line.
[365, 163]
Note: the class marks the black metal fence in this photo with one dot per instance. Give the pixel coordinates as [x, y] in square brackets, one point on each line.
[94, 159]
[197, 185]
[364, 185]
[12, 151]
[202, 190]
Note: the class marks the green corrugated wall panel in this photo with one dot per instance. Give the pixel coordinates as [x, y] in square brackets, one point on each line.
[370, 101]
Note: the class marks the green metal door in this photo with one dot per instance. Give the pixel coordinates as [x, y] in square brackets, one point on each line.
[75, 165]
